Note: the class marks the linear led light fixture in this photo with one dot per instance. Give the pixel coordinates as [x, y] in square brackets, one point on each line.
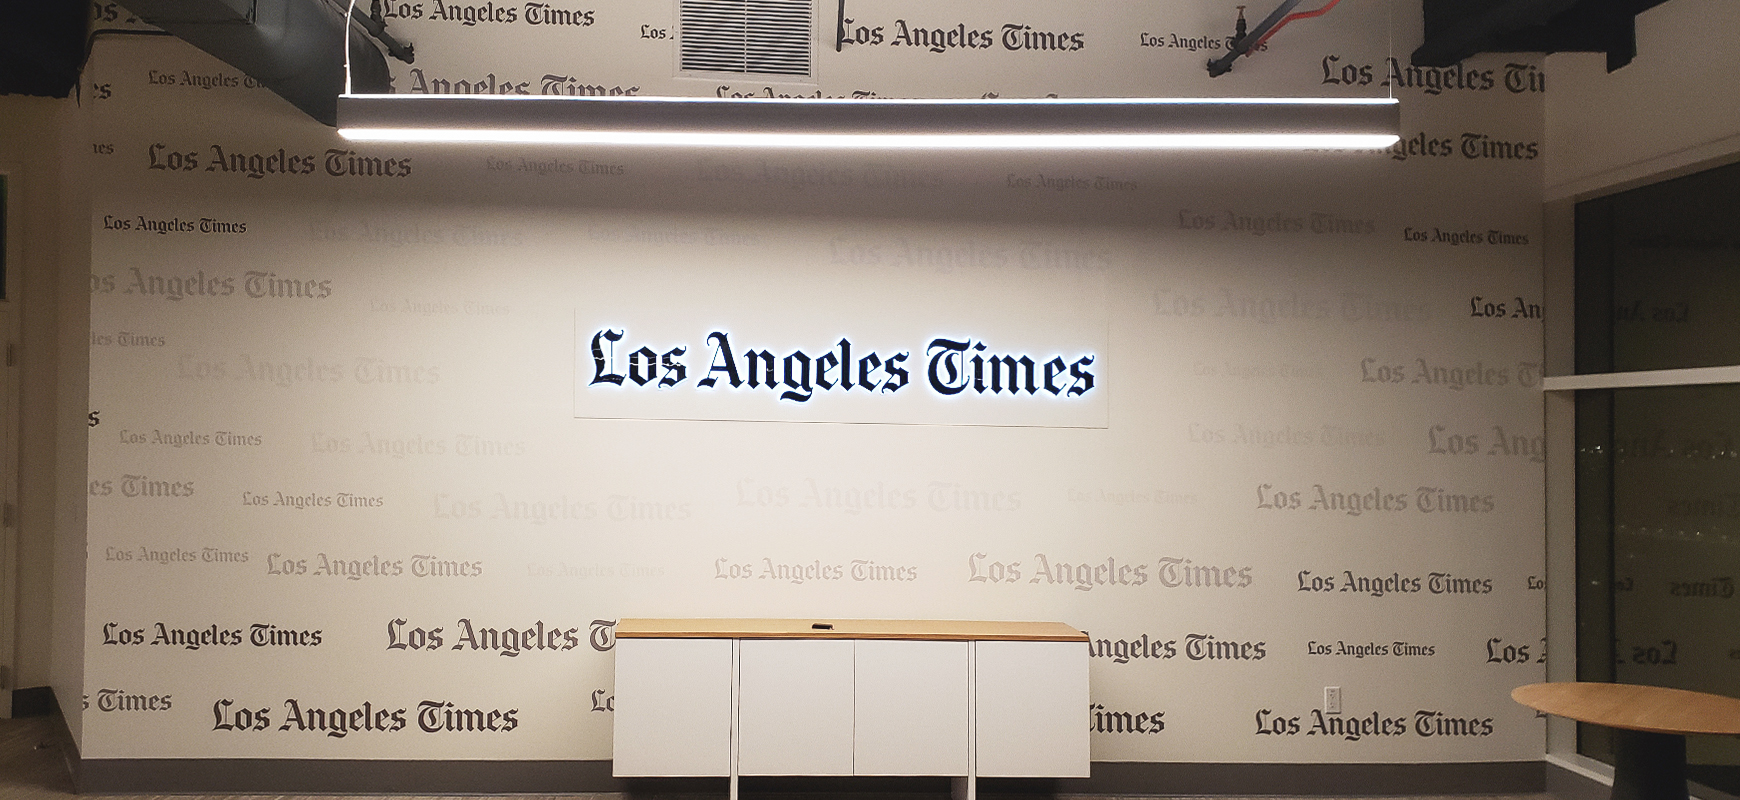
[1050, 123]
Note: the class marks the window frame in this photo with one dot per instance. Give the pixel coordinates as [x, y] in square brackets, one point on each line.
[1559, 388]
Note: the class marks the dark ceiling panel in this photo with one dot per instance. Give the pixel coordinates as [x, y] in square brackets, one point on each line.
[293, 47]
[42, 46]
[1457, 29]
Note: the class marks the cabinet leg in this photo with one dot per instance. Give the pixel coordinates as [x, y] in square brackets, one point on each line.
[964, 788]
[736, 701]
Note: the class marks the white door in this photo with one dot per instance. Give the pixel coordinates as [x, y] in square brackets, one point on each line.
[794, 713]
[911, 708]
[1032, 709]
[673, 708]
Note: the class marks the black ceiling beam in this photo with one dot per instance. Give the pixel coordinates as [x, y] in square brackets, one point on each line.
[293, 47]
[1457, 29]
[42, 45]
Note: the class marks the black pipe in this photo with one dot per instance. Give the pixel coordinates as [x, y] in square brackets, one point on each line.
[1243, 44]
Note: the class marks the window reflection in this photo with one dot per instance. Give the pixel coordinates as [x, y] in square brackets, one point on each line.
[1658, 469]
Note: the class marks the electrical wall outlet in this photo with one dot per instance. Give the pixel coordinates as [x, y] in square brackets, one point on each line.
[1332, 699]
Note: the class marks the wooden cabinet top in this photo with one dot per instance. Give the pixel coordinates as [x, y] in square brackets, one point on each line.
[808, 628]
[1653, 709]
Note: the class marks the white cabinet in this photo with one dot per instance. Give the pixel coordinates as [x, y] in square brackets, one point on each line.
[860, 697]
[1032, 709]
[794, 708]
[677, 695]
[912, 708]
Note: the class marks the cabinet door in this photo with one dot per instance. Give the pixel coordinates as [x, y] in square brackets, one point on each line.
[794, 711]
[673, 707]
[910, 708]
[1032, 709]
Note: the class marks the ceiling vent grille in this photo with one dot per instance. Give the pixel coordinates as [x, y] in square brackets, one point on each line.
[764, 37]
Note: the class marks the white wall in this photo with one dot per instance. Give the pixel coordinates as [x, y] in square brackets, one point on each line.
[1263, 325]
[1672, 107]
[35, 134]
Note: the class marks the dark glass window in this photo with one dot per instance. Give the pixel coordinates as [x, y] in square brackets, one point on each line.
[1658, 285]
[1658, 467]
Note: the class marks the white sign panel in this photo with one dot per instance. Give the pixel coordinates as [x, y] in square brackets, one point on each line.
[893, 346]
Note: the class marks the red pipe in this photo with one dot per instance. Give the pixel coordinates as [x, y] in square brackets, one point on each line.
[1290, 17]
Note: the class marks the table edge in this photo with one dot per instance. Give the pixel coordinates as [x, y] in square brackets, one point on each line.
[928, 630]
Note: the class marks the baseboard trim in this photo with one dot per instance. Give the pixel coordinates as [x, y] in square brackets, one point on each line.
[310, 776]
[1567, 783]
[347, 776]
[1567, 780]
[1500, 777]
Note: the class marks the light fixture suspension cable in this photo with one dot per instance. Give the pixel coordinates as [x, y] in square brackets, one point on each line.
[351, 9]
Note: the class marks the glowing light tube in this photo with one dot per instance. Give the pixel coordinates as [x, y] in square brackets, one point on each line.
[1110, 123]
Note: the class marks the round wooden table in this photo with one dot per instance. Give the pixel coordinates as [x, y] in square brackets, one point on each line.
[1650, 722]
